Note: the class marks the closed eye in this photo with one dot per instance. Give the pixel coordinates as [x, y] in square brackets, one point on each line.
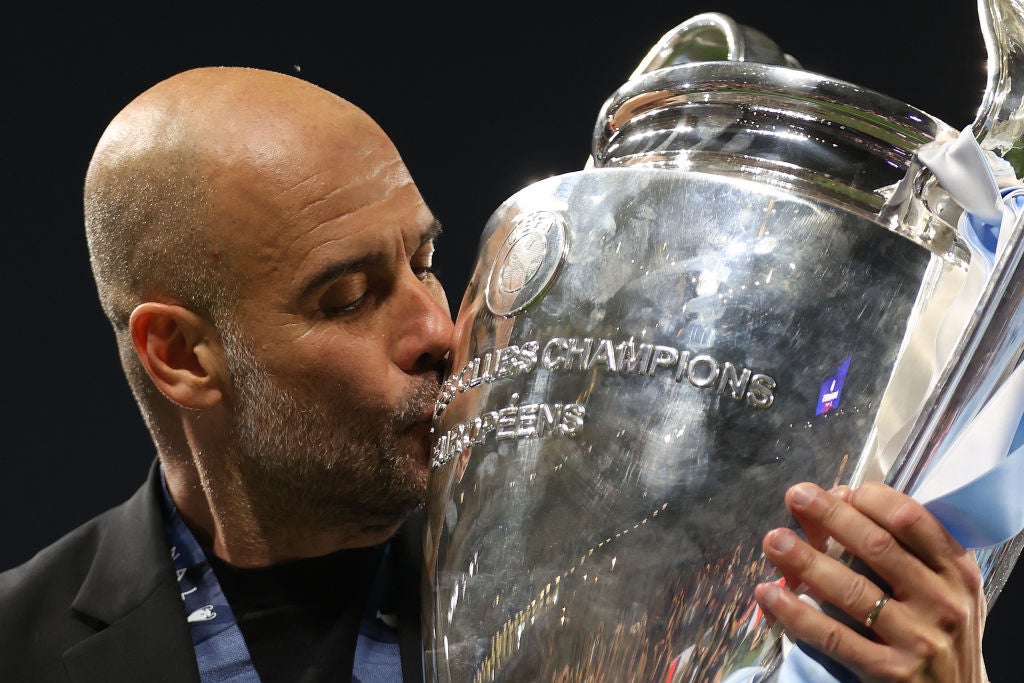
[345, 295]
[426, 272]
[330, 312]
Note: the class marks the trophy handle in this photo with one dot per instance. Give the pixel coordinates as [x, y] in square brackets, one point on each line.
[992, 345]
[999, 123]
[711, 37]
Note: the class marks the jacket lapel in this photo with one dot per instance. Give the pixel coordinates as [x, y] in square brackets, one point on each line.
[130, 596]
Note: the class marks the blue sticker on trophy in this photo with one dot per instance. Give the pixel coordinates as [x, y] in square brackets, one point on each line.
[832, 388]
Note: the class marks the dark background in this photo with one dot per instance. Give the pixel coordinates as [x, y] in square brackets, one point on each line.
[481, 98]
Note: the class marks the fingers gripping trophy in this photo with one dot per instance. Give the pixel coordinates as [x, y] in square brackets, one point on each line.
[762, 276]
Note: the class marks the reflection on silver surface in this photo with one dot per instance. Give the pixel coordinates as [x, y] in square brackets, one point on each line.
[653, 349]
[712, 37]
[616, 546]
[999, 123]
[800, 131]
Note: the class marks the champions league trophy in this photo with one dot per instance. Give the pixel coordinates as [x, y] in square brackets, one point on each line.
[729, 299]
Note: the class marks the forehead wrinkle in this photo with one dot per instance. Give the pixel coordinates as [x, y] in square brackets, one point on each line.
[367, 202]
[374, 254]
[377, 182]
[402, 217]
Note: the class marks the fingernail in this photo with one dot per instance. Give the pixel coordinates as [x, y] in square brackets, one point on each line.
[782, 540]
[842, 492]
[801, 495]
[770, 594]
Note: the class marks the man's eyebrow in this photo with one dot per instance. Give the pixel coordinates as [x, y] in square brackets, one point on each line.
[336, 270]
[432, 233]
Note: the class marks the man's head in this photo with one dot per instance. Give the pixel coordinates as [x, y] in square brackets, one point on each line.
[264, 258]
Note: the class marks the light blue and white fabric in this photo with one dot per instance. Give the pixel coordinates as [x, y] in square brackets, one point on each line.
[974, 486]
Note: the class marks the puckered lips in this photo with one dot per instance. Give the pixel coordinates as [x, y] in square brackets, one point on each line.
[420, 430]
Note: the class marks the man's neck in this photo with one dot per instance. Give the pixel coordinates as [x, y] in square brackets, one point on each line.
[226, 512]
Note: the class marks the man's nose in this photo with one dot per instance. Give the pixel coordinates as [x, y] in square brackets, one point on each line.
[426, 325]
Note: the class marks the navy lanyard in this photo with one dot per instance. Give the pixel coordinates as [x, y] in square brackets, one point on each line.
[221, 652]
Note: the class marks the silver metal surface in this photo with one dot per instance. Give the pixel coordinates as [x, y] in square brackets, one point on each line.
[652, 350]
[999, 123]
[797, 130]
[712, 37]
[611, 457]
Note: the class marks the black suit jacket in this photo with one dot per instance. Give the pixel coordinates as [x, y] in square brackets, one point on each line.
[102, 605]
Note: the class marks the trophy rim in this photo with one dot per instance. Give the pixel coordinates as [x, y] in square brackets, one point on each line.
[908, 124]
[647, 122]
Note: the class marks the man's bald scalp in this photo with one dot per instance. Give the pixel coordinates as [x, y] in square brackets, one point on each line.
[150, 201]
[149, 219]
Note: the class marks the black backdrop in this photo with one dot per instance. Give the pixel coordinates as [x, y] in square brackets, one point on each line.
[480, 98]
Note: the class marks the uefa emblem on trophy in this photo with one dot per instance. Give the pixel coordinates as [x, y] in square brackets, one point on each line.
[729, 299]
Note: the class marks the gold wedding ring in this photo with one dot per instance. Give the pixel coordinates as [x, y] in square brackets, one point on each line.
[879, 604]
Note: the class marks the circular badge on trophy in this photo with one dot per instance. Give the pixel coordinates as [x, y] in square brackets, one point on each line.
[527, 262]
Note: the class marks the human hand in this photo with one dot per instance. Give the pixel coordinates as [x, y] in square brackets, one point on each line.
[930, 629]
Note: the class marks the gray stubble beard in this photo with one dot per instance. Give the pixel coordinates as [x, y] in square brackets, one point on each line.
[320, 466]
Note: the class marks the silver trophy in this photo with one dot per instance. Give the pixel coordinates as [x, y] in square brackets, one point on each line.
[652, 349]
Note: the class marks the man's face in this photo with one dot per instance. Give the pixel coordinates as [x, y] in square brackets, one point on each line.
[337, 348]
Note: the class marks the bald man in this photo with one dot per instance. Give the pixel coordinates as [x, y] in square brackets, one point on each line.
[265, 261]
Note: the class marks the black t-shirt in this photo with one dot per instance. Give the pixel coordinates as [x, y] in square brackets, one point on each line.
[301, 619]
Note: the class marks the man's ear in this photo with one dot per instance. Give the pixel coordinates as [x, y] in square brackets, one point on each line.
[181, 353]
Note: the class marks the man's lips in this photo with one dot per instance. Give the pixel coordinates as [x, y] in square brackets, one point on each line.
[421, 407]
[421, 431]
[425, 418]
